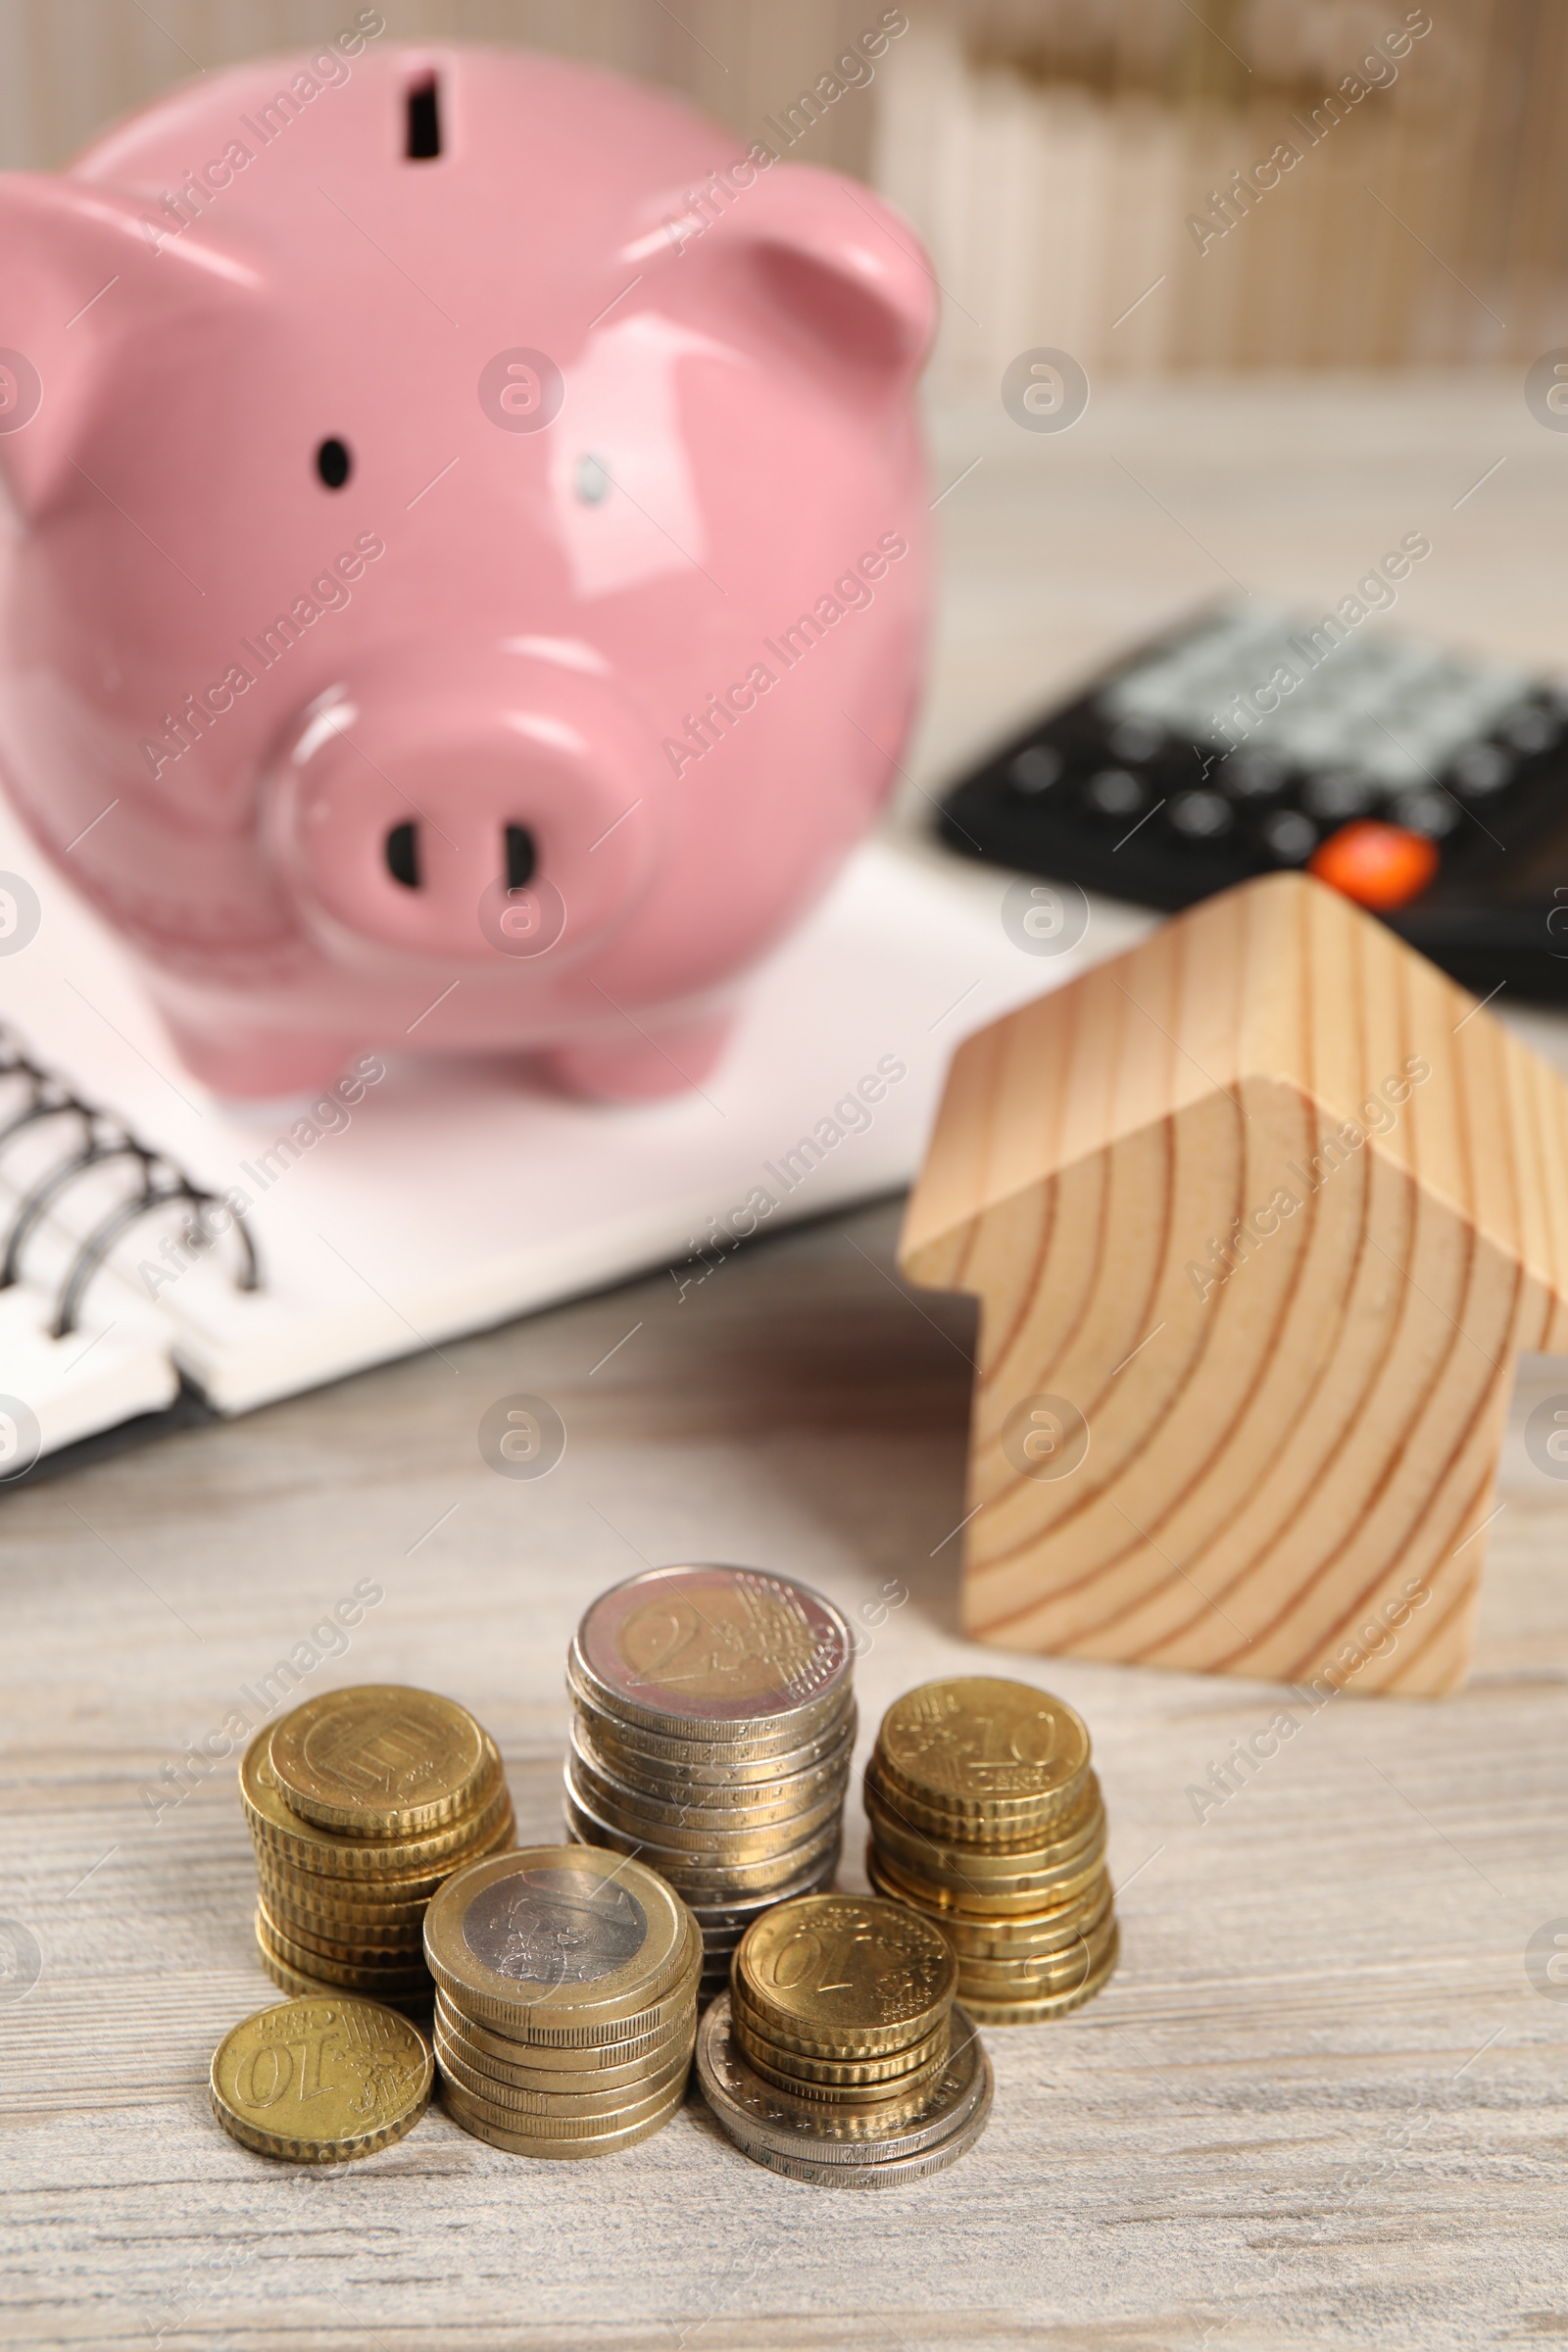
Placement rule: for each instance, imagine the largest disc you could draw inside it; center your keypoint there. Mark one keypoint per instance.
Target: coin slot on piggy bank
(422, 144)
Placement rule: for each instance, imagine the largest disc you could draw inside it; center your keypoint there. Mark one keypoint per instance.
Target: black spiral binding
(103, 1139)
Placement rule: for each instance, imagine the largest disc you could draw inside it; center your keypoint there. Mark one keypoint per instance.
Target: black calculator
(1431, 787)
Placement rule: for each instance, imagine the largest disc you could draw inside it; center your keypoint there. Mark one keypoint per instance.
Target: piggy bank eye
(333, 463)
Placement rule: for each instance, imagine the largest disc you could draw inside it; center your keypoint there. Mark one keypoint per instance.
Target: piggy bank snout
(518, 833)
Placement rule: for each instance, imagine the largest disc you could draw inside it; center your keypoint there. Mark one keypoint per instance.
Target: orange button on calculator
(1380, 867)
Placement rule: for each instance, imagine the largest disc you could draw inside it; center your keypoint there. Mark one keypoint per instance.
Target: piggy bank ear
(821, 262)
(86, 275)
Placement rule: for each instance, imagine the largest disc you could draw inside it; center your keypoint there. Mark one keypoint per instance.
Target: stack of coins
(323, 2080)
(360, 1803)
(987, 1820)
(565, 2000)
(715, 1720)
(834, 2058)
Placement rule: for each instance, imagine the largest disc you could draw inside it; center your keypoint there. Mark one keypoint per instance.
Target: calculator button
(1115, 793)
(1255, 774)
(1378, 865)
(1531, 730)
(1136, 738)
(1290, 836)
(1035, 769)
(1200, 814)
(1431, 811)
(1343, 792)
(1479, 768)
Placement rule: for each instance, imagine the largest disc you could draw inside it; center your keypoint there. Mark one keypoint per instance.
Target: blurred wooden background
(1057, 154)
(1054, 153)
(68, 66)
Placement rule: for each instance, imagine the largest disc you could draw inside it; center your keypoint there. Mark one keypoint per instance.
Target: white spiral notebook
(441, 1197)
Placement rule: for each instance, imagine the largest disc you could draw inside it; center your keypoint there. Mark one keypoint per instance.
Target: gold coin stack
(714, 1717)
(987, 1820)
(565, 2001)
(834, 2057)
(360, 1803)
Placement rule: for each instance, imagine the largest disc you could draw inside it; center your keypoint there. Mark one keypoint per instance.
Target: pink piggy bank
(470, 581)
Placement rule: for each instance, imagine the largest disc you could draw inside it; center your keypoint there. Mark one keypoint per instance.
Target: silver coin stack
(715, 1716)
(834, 2148)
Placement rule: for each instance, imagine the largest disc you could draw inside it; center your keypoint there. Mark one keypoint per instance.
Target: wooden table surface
(1321, 2102)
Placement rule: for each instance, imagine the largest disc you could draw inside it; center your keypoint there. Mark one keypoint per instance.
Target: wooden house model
(1259, 1215)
